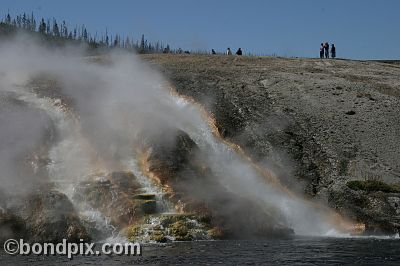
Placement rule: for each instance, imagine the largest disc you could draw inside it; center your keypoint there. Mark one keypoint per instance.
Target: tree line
(60, 30)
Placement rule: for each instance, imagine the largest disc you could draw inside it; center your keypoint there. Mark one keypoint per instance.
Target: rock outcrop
(113, 195)
(11, 227)
(195, 189)
(44, 216)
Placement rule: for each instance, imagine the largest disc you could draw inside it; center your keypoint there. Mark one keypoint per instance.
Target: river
(298, 251)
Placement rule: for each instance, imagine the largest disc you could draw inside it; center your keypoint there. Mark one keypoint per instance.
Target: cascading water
(66, 152)
(72, 150)
(118, 100)
(163, 205)
(241, 177)
(224, 161)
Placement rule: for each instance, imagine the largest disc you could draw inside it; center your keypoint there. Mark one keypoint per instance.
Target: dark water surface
(299, 251)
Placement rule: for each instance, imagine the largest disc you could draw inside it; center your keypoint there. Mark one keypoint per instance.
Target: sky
(360, 29)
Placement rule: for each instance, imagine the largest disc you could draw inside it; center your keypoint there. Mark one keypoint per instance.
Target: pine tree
(8, 19)
(48, 31)
(24, 21)
(56, 31)
(116, 41)
(85, 34)
(157, 48)
(32, 23)
(65, 29)
(107, 39)
(142, 44)
(42, 27)
(128, 43)
(19, 21)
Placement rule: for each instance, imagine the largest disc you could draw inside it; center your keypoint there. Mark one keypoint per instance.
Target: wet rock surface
(43, 216)
(195, 189)
(11, 227)
(168, 227)
(113, 195)
(317, 124)
(30, 207)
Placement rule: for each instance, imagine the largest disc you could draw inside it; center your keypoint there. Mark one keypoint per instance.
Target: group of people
(229, 52)
(324, 50)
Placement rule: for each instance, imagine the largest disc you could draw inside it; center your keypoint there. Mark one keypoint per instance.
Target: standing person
(333, 51)
(239, 51)
(326, 47)
(321, 51)
(228, 51)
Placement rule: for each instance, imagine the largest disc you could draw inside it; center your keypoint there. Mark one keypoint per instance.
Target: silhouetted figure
(326, 48)
(333, 51)
(228, 51)
(239, 51)
(321, 51)
(213, 51)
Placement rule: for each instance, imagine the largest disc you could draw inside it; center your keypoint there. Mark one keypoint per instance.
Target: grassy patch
(373, 185)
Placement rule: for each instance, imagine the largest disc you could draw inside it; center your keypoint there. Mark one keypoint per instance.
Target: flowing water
(299, 251)
(68, 152)
(243, 177)
(236, 173)
(72, 162)
(163, 205)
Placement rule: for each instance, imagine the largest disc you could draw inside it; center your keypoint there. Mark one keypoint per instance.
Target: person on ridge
(321, 51)
(228, 51)
(326, 47)
(333, 51)
(239, 51)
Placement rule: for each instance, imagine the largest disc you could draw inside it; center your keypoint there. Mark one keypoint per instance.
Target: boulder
(166, 157)
(376, 209)
(148, 206)
(49, 216)
(11, 227)
(113, 196)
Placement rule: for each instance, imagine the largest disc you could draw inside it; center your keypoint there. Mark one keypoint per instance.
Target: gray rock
(49, 216)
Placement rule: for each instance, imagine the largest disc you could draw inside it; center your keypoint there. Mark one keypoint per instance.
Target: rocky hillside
(327, 128)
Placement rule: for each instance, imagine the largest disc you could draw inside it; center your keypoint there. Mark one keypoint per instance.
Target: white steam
(116, 99)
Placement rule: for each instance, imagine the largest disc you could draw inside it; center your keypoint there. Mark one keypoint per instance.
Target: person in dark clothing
(326, 48)
(333, 51)
(239, 51)
(321, 51)
(213, 51)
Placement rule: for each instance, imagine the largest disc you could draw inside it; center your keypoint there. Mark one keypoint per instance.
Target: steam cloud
(116, 99)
